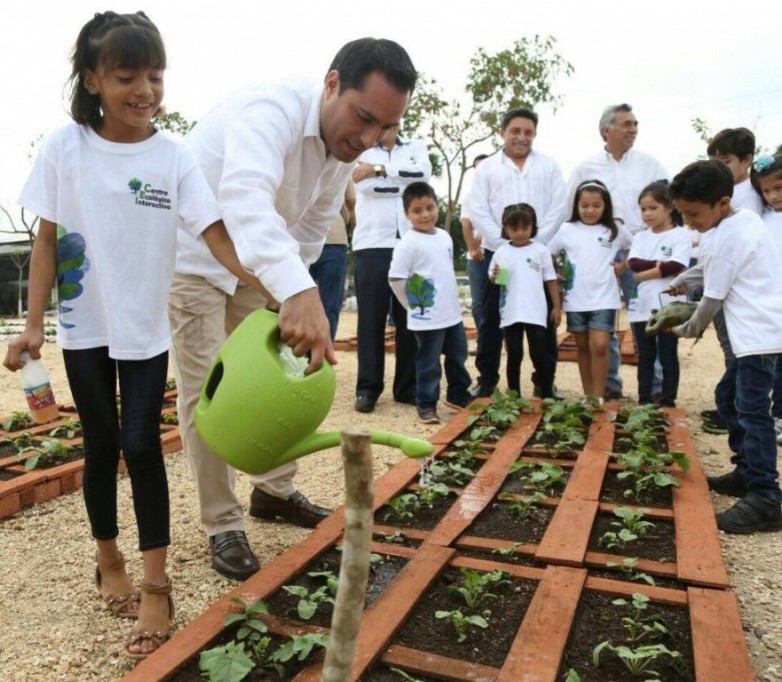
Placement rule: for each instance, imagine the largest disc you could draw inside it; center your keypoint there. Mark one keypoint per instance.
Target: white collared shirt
(278, 191)
(624, 179)
(380, 218)
(499, 183)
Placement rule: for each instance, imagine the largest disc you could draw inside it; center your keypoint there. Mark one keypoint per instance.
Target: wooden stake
(354, 567)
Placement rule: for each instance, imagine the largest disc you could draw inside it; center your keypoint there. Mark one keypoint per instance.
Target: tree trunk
(354, 568)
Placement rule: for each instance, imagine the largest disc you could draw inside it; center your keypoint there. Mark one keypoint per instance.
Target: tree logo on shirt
(605, 242)
(147, 195)
(666, 250)
(532, 263)
(569, 274)
(72, 265)
(420, 294)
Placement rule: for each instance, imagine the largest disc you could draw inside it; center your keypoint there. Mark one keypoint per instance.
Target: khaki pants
(202, 316)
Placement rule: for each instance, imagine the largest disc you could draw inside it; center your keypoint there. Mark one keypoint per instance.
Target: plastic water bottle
(38, 390)
(292, 365)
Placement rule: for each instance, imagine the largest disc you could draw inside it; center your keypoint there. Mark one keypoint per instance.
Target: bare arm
(472, 240)
(398, 286)
(556, 308)
(43, 267)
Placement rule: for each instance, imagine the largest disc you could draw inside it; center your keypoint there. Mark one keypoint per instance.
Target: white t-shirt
(425, 261)
(590, 279)
(116, 208)
(773, 221)
(523, 298)
(674, 244)
(741, 269)
(745, 196)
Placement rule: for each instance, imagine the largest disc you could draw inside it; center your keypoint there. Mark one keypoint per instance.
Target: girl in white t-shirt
(109, 190)
(658, 254)
(590, 242)
(523, 268)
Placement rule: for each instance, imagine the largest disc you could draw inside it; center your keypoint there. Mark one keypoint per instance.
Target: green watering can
(256, 414)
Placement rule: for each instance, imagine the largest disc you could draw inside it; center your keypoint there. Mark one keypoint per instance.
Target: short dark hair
(417, 190)
(519, 214)
(737, 141)
(359, 58)
(518, 113)
(706, 181)
(111, 40)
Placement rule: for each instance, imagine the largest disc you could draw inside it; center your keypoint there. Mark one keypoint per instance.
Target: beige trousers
(202, 316)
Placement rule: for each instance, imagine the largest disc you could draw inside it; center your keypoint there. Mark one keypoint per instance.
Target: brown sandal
(158, 637)
(120, 605)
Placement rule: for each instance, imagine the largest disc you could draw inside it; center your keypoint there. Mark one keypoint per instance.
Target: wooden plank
(698, 551)
(663, 595)
(439, 667)
(567, 536)
(662, 568)
(718, 643)
(537, 649)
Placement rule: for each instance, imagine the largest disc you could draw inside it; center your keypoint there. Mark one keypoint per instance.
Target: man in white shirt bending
(278, 156)
(381, 176)
(516, 174)
(625, 171)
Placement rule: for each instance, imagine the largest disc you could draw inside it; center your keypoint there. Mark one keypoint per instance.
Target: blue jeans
(329, 273)
(662, 348)
(776, 395)
(477, 277)
(452, 343)
(751, 425)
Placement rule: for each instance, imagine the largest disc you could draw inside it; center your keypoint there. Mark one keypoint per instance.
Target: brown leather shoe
(232, 555)
(296, 509)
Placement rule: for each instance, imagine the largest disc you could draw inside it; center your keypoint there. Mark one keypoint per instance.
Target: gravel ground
(55, 627)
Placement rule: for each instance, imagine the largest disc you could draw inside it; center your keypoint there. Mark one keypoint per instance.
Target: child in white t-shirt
(423, 279)
(735, 147)
(523, 269)
(657, 255)
(109, 190)
(590, 241)
(741, 276)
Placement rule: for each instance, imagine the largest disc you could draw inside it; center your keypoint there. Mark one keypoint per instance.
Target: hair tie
(763, 163)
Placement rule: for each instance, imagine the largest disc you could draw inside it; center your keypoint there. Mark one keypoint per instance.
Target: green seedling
(485, 433)
(521, 507)
(461, 622)
(309, 602)
(574, 413)
(22, 442)
(475, 586)
(300, 646)
(508, 552)
(18, 421)
(644, 469)
(170, 418)
(611, 539)
(559, 437)
(450, 472)
(643, 623)
(402, 507)
(68, 430)
(53, 452)
(396, 538)
(643, 417)
(572, 676)
(430, 494)
(638, 660)
(627, 567)
(331, 578)
(227, 663)
(170, 384)
(632, 520)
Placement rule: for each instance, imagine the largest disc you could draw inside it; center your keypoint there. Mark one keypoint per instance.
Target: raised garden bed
(557, 586)
(20, 488)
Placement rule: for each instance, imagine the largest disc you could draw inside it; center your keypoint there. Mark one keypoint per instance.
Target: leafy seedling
(68, 429)
(300, 646)
(475, 586)
(227, 663)
(402, 507)
(521, 507)
(461, 622)
(627, 567)
(309, 601)
(638, 660)
(18, 421)
(53, 452)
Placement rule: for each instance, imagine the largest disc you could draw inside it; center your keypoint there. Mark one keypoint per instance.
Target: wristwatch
(378, 170)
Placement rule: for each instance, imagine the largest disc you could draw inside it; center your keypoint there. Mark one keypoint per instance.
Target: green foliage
(542, 476)
(173, 123)
(475, 585)
(522, 75)
(53, 452)
(67, 430)
(396, 538)
(633, 520)
(170, 418)
(18, 421)
(638, 660)
(644, 469)
(575, 413)
(572, 676)
(300, 646)
(642, 417)
(402, 506)
(461, 622)
(628, 569)
(309, 602)
(228, 663)
(521, 507)
(508, 552)
(451, 472)
(430, 494)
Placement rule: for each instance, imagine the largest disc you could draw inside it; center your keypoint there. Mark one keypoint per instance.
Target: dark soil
(400, 541)
(384, 673)
(192, 673)
(657, 544)
(515, 483)
(425, 518)
(20, 425)
(283, 605)
(597, 620)
(623, 442)
(7, 449)
(496, 521)
(487, 646)
(516, 559)
(77, 452)
(6, 475)
(613, 491)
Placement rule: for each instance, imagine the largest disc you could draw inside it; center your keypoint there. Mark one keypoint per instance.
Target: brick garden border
(719, 649)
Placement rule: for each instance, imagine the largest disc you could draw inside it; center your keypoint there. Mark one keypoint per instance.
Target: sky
(671, 60)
